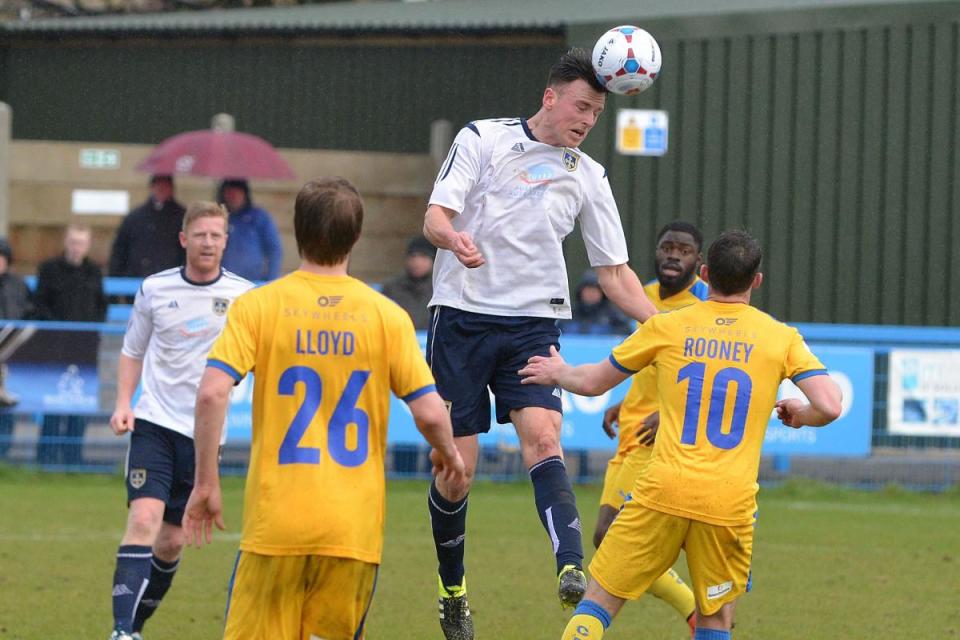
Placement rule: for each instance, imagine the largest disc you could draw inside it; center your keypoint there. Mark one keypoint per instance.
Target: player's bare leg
(539, 432)
(716, 626)
(669, 587)
(593, 615)
(448, 518)
(605, 517)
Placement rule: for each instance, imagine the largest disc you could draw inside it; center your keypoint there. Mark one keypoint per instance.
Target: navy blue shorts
(160, 464)
(472, 354)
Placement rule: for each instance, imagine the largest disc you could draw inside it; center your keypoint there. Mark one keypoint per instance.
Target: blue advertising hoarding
(851, 367)
(51, 370)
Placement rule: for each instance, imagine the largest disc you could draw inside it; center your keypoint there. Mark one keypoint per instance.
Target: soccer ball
(626, 60)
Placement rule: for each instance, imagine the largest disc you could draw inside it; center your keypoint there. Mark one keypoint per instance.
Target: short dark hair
(573, 65)
(327, 219)
(682, 227)
(733, 260)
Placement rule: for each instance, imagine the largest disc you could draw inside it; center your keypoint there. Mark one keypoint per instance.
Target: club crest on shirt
(220, 306)
(571, 159)
(137, 477)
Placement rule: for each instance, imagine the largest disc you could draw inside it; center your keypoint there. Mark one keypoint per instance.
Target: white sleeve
(600, 224)
(460, 172)
(139, 327)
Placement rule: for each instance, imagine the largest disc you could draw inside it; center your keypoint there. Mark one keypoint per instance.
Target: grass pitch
(829, 563)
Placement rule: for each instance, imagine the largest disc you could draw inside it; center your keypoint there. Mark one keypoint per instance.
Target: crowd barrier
(899, 421)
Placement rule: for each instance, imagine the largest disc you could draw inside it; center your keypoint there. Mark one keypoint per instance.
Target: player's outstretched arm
(584, 379)
(128, 377)
(432, 418)
(439, 230)
(205, 506)
(623, 287)
(824, 406)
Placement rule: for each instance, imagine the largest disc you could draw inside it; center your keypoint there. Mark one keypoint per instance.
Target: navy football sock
(449, 523)
(161, 576)
(557, 508)
(129, 582)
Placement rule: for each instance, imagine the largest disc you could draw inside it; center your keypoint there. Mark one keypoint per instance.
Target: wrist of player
(448, 452)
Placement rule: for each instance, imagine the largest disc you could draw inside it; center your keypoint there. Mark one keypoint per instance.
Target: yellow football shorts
(298, 598)
(622, 473)
(643, 543)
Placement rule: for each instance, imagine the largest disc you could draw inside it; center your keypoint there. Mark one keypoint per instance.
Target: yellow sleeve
(800, 362)
(410, 377)
(640, 348)
(235, 351)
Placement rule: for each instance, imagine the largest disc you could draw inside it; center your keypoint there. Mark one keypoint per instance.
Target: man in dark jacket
(593, 313)
(14, 295)
(413, 288)
(148, 240)
(14, 305)
(70, 288)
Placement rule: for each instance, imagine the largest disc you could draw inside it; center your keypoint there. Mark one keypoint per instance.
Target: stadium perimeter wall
(44, 174)
(873, 442)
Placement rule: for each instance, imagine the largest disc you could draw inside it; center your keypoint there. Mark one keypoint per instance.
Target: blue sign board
(582, 416)
(849, 435)
(852, 367)
(51, 371)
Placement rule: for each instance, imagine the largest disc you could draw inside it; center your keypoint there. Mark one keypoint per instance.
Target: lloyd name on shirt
(322, 342)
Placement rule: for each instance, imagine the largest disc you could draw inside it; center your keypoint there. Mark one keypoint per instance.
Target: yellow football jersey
(326, 352)
(718, 367)
(641, 398)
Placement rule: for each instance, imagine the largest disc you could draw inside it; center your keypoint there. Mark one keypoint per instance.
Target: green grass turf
(829, 563)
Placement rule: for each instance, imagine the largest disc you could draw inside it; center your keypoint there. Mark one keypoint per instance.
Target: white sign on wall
(100, 202)
(923, 392)
(642, 132)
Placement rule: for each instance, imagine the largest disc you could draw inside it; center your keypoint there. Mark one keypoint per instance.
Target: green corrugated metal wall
(831, 136)
(838, 148)
(339, 95)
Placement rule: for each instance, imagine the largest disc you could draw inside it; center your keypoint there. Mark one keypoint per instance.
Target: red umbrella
(217, 154)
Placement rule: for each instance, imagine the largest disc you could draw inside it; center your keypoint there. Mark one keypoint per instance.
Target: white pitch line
(896, 509)
(78, 536)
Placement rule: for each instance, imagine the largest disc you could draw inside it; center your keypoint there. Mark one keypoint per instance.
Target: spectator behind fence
(413, 288)
(70, 288)
(14, 305)
(593, 312)
(148, 240)
(253, 249)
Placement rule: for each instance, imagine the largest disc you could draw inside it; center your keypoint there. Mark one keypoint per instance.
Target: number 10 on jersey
(694, 372)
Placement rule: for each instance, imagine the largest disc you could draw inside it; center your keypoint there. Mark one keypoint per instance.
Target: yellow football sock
(583, 627)
(671, 588)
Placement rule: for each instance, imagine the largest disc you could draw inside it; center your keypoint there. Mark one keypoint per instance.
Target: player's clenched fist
(788, 412)
(466, 251)
(122, 421)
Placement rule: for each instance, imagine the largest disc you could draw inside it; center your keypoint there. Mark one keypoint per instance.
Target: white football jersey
(173, 324)
(519, 198)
